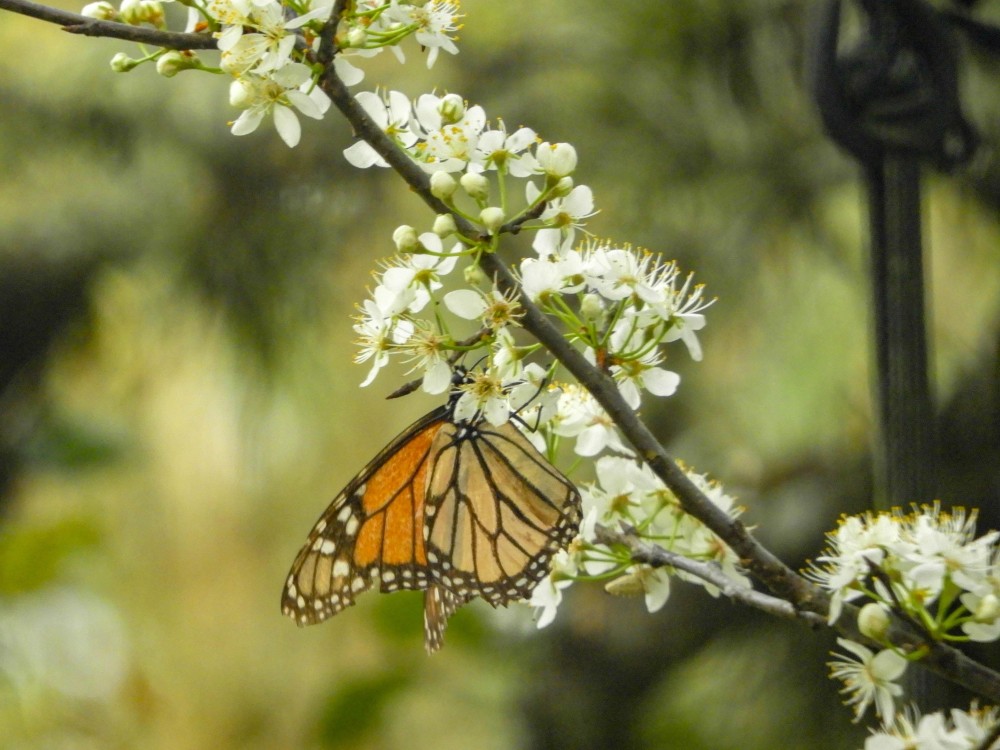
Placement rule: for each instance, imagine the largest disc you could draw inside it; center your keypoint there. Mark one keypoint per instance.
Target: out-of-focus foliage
(178, 401)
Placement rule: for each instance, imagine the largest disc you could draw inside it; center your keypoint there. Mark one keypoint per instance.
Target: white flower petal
(591, 441)
(229, 37)
(305, 104)
(657, 585)
(292, 75)
(287, 125)
(349, 74)
(247, 122)
(660, 382)
(465, 303)
(437, 379)
(888, 665)
(362, 156)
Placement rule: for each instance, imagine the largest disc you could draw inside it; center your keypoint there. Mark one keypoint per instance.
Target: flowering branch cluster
(975, 729)
(269, 47)
(619, 306)
(926, 567)
(605, 310)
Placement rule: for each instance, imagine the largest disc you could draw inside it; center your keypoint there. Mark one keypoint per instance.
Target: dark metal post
(891, 101)
(906, 442)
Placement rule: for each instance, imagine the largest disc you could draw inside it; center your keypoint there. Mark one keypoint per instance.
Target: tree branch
(658, 557)
(941, 659)
(74, 23)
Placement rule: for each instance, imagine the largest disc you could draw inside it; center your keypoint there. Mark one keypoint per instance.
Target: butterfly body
(457, 508)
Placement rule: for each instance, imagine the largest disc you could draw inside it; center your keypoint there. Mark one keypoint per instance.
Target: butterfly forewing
(371, 532)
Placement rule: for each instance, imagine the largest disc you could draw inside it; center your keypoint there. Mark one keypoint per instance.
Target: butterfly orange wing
(371, 533)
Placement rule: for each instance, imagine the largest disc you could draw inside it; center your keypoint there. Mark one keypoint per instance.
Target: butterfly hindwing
(497, 511)
(439, 604)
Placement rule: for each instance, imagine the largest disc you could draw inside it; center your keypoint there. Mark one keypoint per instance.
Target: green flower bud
(131, 12)
(492, 218)
(452, 109)
(172, 62)
(443, 185)
(357, 37)
(102, 11)
(629, 584)
(563, 187)
(475, 276)
(591, 307)
(406, 239)
(873, 621)
(444, 225)
(988, 609)
(476, 185)
(122, 63)
(152, 13)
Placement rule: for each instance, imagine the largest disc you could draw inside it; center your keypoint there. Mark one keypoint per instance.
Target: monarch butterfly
(457, 508)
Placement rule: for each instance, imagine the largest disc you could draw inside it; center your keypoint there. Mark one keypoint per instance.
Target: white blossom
(280, 94)
(391, 111)
(434, 23)
(869, 678)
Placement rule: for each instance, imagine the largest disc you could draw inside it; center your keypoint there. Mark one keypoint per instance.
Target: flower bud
(122, 63)
(563, 188)
(172, 62)
(357, 37)
(988, 609)
(240, 94)
(451, 108)
(556, 159)
(444, 225)
(102, 11)
(131, 12)
(475, 276)
(591, 307)
(629, 584)
(873, 621)
(476, 185)
(492, 218)
(443, 185)
(152, 13)
(406, 239)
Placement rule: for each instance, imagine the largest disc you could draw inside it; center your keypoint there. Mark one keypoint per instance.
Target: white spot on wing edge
(341, 568)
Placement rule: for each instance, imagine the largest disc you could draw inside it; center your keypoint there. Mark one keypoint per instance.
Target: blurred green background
(178, 402)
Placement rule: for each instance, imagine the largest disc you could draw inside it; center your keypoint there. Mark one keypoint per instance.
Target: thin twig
(74, 23)
(943, 660)
(658, 557)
